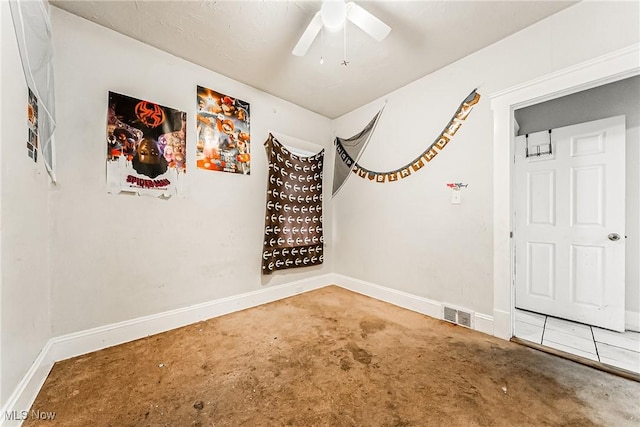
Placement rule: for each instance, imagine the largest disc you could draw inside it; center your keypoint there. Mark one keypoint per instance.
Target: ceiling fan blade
(367, 22)
(308, 36)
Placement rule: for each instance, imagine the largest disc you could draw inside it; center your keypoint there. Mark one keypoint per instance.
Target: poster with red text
(146, 146)
(224, 138)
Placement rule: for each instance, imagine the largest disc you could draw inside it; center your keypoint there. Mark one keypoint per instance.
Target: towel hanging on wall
(293, 234)
(348, 152)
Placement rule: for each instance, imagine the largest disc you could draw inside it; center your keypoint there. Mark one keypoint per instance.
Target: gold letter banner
(432, 151)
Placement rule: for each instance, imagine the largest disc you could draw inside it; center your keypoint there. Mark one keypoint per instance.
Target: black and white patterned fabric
(293, 235)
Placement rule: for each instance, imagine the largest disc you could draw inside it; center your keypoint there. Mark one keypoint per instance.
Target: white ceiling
(251, 41)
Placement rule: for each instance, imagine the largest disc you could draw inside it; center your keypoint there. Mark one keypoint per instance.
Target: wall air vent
(450, 314)
(459, 317)
(464, 318)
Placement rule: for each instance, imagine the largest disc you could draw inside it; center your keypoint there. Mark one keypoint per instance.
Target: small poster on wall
(32, 124)
(223, 133)
(146, 146)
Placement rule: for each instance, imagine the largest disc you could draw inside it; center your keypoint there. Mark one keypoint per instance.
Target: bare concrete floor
(331, 358)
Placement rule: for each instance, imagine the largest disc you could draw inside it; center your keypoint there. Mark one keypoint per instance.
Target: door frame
(617, 65)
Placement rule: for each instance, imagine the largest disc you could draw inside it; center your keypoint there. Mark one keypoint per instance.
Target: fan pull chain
(322, 45)
(345, 62)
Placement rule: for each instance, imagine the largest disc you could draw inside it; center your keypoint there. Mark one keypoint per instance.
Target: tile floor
(621, 350)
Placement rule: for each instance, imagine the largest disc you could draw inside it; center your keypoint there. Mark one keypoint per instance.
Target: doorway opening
(508, 319)
(576, 224)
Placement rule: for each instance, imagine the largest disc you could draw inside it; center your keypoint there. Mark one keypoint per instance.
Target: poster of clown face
(146, 146)
(223, 133)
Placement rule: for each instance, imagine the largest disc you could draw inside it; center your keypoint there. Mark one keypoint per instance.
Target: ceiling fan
(332, 16)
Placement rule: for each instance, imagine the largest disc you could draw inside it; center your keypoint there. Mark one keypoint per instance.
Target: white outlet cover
(456, 198)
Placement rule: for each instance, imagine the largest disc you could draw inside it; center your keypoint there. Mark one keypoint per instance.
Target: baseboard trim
(20, 401)
(401, 299)
(481, 322)
(90, 340)
(502, 324)
(632, 321)
(75, 344)
(87, 341)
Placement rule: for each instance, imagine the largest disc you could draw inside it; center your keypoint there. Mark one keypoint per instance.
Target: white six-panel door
(570, 223)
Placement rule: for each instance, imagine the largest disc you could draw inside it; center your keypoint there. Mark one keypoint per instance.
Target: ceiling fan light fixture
(334, 14)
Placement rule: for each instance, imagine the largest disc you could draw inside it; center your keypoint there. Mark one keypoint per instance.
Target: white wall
(24, 226)
(406, 235)
(119, 257)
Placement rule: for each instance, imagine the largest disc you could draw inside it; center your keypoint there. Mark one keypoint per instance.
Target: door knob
(614, 237)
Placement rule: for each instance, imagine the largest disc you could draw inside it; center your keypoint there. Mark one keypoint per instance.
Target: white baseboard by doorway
(481, 322)
(632, 321)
